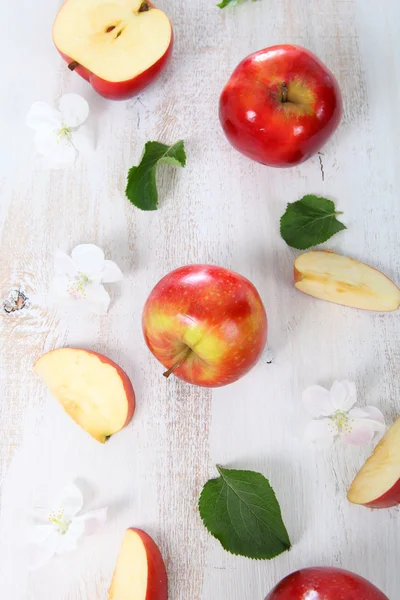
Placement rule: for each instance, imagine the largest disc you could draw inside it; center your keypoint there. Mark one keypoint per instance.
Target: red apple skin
(252, 114)
(388, 499)
(157, 579)
(122, 90)
(215, 300)
(325, 583)
(126, 382)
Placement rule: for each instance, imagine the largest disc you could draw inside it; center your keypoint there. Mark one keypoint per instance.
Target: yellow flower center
(57, 518)
(76, 287)
(64, 132)
(342, 422)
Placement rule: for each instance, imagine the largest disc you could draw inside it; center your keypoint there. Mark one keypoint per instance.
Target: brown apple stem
(144, 7)
(284, 91)
(178, 362)
(72, 66)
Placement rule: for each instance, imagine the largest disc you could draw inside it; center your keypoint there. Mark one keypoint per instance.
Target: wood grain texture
(222, 209)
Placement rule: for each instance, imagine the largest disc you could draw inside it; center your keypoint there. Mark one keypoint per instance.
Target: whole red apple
(206, 324)
(280, 106)
(118, 46)
(325, 583)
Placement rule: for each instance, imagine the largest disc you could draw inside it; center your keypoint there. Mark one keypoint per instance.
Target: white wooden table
(223, 209)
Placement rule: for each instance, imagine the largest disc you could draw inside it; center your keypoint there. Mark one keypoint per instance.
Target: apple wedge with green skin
(96, 393)
(377, 484)
(342, 280)
(140, 572)
(118, 46)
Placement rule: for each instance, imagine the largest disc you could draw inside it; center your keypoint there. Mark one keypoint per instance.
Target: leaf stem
(184, 356)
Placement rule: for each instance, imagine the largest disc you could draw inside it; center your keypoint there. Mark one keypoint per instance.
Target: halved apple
(140, 571)
(119, 46)
(377, 484)
(91, 388)
(342, 280)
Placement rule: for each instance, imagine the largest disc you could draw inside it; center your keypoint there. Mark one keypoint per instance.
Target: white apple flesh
(377, 484)
(342, 280)
(140, 571)
(91, 388)
(112, 40)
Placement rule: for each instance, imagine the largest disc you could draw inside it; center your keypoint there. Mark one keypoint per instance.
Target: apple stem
(72, 66)
(178, 362)
(285, 91)
(144, 7)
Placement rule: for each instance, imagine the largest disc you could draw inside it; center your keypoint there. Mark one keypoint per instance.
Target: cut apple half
(342, 280)
(91, 388)
(116, 40)
(377, 484)
(140, 571)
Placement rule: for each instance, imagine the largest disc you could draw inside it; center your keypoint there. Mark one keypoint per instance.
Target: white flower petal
(111, 272)
(98, 298)
(64, 265)
(74, 110)
(317, 401)
(322, 431)
(38, 534)
(58, 151)
(358, 413)
(89, 259)
(70, 540)
(362, 432)
(93, 521)
(375, 414)
(43, 117)
(83, 140)
(46, 551)
(71, 500)
(59, 287)
(343, 395)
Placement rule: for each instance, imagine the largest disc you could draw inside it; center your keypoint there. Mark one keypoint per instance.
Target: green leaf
(141, 188)
(310, 221)
(230, 3)
(240, 509)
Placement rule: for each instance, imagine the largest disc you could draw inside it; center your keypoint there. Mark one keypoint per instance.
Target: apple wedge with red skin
(342, 280)
(377, 484)
(325, 583)
(119, 47)
(280, 106)
(207, 325)
(96, 393)
(140, 572)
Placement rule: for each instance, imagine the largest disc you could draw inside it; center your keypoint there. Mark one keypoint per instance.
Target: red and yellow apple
(140, 571)
(205, 324)
(325, 583)
(342, 280)
(91, 388)
(280, 106)
(377, 484)
(118, 46)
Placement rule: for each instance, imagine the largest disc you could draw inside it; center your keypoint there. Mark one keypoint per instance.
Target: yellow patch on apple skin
(207, 346)
(300, 93)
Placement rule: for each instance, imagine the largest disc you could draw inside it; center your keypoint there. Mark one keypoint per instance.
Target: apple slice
(377, 484)
(91, 388)
(120, 46)
(140, 571)
(342, 280)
